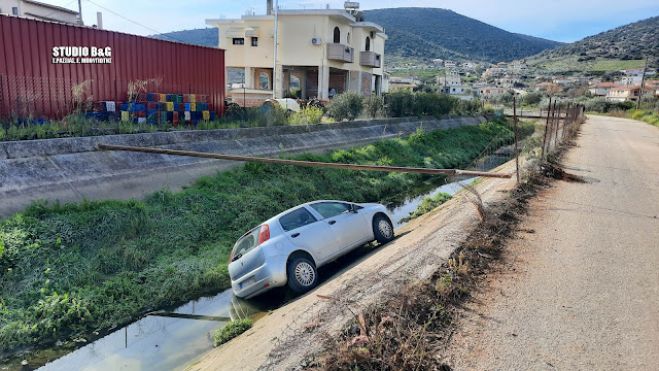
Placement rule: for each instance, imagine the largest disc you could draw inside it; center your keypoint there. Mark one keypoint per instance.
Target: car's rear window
(296, 219)
(246, 243)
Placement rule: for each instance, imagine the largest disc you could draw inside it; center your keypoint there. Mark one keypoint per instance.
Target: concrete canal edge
(71, 169)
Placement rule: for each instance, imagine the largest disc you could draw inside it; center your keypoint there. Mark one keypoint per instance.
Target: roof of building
(54, 7)
(335, 13)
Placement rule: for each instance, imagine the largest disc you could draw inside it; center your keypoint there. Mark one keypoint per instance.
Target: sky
(560, 20)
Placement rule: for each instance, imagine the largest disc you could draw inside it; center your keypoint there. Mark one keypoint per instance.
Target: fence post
(544, 137)
(516, 136)
(568, 120)
(558, 124)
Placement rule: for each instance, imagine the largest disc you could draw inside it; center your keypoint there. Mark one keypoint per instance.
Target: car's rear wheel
(302, 275)
(383, 229)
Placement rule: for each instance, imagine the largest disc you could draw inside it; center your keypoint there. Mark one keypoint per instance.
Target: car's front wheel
(302, 275)
(383, 229)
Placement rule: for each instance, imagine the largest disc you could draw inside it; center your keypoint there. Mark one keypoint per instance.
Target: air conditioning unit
(316, 41)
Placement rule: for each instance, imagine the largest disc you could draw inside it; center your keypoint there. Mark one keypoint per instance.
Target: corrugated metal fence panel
(31, 85)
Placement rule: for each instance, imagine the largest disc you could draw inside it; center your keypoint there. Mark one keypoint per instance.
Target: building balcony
(370, 59)
(340, 52)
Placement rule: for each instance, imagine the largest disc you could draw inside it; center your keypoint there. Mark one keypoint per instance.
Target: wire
(136, 23)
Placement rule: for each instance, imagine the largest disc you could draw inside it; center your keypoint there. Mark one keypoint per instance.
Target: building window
(348, 37)
(238, 41)
(255, 41)
(337, 35)
(368, 44)
(264, 81)
(14, 10)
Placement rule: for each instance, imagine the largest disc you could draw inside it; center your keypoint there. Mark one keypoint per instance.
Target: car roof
(300, 205)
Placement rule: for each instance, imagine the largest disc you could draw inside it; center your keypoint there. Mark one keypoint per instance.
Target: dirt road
(282, 338)
(579, 289)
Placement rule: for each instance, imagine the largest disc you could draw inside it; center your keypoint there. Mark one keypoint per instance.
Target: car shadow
(281, 296)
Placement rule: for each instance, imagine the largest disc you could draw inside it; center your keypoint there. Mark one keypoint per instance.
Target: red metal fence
(31, 84)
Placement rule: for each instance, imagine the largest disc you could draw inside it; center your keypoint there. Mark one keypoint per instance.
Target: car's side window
(330, 209)
(296, 219)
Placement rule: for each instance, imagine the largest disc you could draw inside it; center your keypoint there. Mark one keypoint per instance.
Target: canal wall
(72, 169)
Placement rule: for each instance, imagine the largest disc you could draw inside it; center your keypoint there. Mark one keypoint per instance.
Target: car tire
(383, 229)
(302, 275)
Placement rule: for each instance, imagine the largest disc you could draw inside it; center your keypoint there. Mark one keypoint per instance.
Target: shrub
(433, 104)
(307, 116)
(345, 106)
(466, 107)
(270, 115)
(399, 104)
(532, 98)
(374, 106)
(230, 331)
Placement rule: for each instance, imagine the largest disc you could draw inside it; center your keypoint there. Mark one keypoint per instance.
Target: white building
(450, 83)
(38, 10)
(320, 53)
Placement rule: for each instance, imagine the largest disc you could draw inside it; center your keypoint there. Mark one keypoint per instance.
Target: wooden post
(558, 123)
(516, 137)
(544, 137)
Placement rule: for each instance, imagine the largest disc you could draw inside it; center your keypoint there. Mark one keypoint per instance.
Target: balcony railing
(370, 59)
(340, 52)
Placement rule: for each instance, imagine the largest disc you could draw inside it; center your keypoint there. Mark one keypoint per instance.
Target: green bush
(399, 103)
(230, 331)
(533, 98)
(307, 116)
(345, 106)
(374, 106)
(405, 103)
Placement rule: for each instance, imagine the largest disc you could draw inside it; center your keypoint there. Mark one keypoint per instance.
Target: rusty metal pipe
(217, 156)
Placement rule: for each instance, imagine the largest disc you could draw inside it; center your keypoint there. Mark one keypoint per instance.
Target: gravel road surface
(579, 288)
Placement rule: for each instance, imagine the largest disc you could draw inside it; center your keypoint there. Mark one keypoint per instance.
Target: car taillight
(264, 233)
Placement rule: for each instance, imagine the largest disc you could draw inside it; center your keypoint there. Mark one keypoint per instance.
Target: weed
(345, 106)
(230, 331)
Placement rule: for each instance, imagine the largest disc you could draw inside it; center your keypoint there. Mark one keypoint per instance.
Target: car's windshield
(245, 244)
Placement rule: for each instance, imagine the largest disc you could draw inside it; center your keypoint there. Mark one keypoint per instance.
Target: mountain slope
(626, 44)
(200, 36)
(442, 33)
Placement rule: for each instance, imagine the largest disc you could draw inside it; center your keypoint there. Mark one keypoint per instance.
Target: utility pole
(274, 67)
(640, 94)
(80, 11)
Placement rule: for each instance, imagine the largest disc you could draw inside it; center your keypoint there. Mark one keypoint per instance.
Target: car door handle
(294, 235)
(332, 222)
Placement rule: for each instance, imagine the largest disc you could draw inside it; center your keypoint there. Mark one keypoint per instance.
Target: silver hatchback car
(290, 247)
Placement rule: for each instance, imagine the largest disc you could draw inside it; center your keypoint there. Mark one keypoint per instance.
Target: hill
(440, 33)
(199, 36)
(624, 47)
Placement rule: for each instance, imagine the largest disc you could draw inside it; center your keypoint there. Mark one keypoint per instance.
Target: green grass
(651, 117)
(68, 270)
(572, 63)
(428, 204)
(230, 331)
